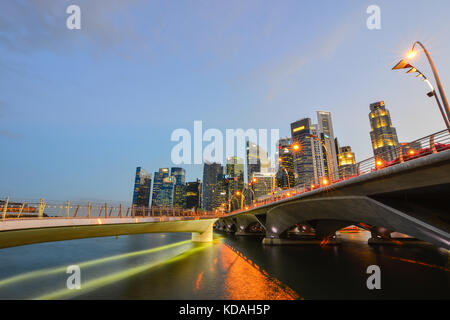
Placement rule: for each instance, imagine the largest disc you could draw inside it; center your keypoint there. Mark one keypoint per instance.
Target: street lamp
(436, 76)
(411, 55)
(404, 65)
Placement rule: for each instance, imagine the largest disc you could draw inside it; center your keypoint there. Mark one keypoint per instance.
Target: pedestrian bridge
(16, 232)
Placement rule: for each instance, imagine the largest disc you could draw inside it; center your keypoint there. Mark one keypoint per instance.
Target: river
(170, 266)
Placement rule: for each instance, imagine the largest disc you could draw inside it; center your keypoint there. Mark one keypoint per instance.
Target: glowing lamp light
(379, 163)
(411, 54)
(325, 181)
(238, 193)
(296, 147)
(412, 152)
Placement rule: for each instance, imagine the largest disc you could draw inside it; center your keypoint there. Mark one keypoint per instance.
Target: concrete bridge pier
(205, 236)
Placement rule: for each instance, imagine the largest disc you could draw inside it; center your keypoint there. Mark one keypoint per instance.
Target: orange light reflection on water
(244, 280)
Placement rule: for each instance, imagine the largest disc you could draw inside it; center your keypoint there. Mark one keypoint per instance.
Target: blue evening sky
(80, 109)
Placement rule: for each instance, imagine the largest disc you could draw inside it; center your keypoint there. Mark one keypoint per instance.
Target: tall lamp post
(436, 76)
(445, 110)
(404, 65)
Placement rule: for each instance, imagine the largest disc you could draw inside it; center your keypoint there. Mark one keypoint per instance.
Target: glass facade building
(142, 186)
(235, 177)
(304, 157)
(257, 159)
(193, 192)
(163, 186)
(212, 173)
(179, 188)
(263, 184)
(285, 177)
(326, 133)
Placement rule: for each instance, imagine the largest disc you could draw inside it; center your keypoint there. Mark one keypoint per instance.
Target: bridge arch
(334, 213)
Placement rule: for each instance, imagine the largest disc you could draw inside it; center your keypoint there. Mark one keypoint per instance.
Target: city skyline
(216, 156)
(83, 120)
(311, 156)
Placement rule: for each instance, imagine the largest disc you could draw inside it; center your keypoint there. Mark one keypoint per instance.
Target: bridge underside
(201, 231)
(328, 215)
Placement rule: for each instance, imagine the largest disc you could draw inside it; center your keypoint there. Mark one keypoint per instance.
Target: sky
(81, 109)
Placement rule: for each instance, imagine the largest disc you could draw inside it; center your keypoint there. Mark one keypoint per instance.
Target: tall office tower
(235, 176)
(347, 162)
(211, 174)
(179, 174)
(308, 163)
(253, 159)
(142, 186)
(220, 194)
(257, 159)
(319, 151)
(383, 135)
(338, 148)
(179, 195)
(162, 188)
(325, 127)
(193, 190)
(179, 188)
(263, 183)
(285, 177)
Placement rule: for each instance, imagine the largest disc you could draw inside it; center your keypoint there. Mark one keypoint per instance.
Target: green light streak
(100, 282)
(86, 264)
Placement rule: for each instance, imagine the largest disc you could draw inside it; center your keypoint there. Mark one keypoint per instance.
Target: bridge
(16, 232)
(407, 195)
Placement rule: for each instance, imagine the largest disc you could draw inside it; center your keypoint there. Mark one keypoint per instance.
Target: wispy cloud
(30, 25)
(276, 75)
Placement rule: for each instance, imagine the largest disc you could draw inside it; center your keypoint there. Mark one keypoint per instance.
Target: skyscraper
(308, 162)
(142, 186)
(257, 159)
(383, 134)
(179, 191)
(235, 176)
(179, 174)
(326, 132)
(193, 194)
(211, 173)
(285, 177)
(263, 183)
(347, 162)
(162, 188)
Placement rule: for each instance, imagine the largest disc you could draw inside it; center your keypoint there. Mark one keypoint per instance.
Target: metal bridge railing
(434, 143)
(22, 210)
